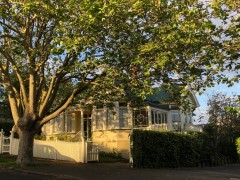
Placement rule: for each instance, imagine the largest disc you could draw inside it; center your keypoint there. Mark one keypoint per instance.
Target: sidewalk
(120, 171)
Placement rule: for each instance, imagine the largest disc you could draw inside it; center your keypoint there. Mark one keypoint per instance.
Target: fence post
(56, 145)
(131, 149)
(86, 152)
(11, 142)
(83, 148)
(1, 140)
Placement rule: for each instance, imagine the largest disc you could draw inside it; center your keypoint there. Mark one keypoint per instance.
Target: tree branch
(5, 80)
(18, 73)
(64, 106)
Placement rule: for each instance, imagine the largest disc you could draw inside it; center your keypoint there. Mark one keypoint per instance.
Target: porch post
(82, 123)
(149, 118)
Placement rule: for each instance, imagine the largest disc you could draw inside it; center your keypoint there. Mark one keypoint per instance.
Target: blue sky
(202, 99)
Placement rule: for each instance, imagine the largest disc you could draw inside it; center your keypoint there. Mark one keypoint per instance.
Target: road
(118, 171)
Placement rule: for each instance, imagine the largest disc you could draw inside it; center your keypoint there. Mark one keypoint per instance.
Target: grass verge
(7, 161)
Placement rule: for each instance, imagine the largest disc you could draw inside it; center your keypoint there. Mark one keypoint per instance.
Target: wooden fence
(81, 151)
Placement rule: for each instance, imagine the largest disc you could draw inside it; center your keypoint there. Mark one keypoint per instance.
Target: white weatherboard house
(110, 128)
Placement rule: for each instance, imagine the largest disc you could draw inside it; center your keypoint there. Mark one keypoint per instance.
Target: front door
(87, 125)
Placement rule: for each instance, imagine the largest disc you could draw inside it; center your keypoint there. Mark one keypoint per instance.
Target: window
(69, 122)
(140, 118)
(123, 117)
(175, 116)
(59, 124)
(99, 118)
(65, 122)
(110, 118)
(188, 118)
(87, 126)
(158, 117)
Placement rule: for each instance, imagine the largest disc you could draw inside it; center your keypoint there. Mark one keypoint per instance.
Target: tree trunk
(25, 151)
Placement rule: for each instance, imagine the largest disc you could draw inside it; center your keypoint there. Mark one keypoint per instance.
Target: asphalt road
(117, 171)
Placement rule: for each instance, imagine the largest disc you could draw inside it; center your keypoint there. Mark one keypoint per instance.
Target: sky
(202, 99)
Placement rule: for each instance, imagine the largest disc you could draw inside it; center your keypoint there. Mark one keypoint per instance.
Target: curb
(60, 176)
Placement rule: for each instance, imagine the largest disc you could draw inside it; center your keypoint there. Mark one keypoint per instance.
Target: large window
(140, 118)
(59, 124)
(70, 122)
(123, 117)
(188, 118)
(99, 118)
(65, 122)
(87, 126)
(110, 118)
(158, 117)
(175, 115)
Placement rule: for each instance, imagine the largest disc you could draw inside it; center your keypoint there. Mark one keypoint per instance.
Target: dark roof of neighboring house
(162, 99)
(159, 95)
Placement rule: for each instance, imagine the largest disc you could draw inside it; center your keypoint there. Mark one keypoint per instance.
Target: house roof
(161, 98)
(159, 95)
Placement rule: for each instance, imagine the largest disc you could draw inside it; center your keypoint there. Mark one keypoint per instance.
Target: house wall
(113, 140)
(110, 136)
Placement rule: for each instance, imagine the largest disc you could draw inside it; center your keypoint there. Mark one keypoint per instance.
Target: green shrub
(238, 146)
(40, 137)
(66, 137)
(164, 149)
(113, 156)
(154, 149)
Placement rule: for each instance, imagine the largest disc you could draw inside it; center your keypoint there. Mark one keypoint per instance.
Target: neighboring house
(110, 126)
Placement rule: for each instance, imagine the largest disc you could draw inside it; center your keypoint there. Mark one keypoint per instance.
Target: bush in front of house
(113, 156)
(154, 149)
(40, 137)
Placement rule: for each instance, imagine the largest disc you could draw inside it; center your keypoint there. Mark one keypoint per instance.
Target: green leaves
(101, 42)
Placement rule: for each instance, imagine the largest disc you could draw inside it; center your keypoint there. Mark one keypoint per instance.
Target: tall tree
(224, 123)
(100, 48)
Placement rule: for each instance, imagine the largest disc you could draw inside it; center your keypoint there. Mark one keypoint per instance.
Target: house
(109, 125)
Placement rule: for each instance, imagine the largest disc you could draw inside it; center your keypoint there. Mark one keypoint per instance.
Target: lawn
(7, 161)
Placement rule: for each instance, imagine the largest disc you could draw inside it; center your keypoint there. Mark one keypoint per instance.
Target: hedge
(238, 146)
(153, 149)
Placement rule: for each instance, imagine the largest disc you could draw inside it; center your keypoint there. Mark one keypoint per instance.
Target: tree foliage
(223, 113)
(224, 123)
(52, 51)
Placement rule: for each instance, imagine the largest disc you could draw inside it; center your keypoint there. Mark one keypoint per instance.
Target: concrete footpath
(121, 171)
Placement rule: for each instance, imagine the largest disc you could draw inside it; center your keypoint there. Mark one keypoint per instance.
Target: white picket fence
(59, 150)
